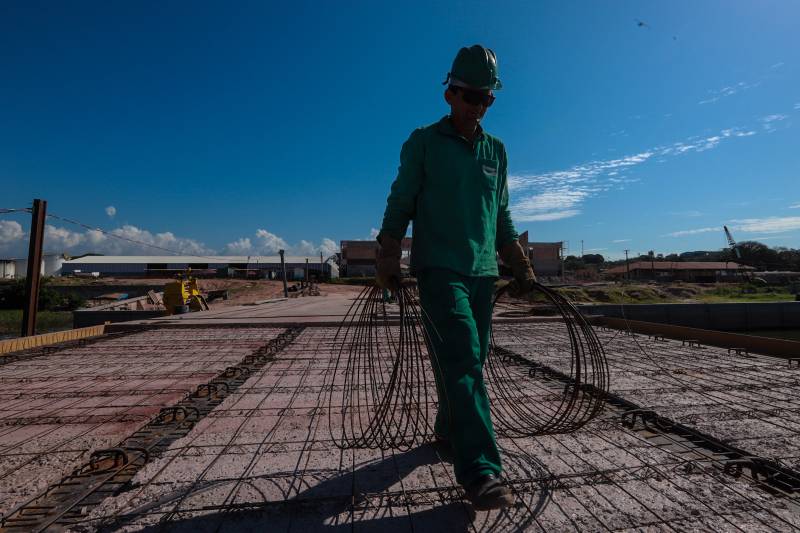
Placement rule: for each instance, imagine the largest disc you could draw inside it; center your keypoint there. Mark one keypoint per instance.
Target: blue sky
(243, 127)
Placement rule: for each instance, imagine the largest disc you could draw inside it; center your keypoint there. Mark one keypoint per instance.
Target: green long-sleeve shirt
(457, 195)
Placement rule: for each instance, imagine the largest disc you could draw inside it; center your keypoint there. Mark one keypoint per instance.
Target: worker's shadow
(359, 500)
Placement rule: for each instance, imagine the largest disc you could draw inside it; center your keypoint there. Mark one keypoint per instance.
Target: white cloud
(545, 217)
(241, 246)
(777, 65)
(768, 238)
(795, 206)
(773, 118)
(111, 211)
(617, 241)
(767, 225)
(61, 238)
(685, 232)
(768, 121)
(797, 105)
(119, 242)
(560, 194)
(10, 232)
(328, 247)
(373, 233)
(730, 90)
(268, 243)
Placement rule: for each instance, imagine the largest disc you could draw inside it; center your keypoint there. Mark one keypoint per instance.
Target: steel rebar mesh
(382, 385)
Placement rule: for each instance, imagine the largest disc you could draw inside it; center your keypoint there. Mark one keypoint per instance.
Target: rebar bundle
(579, 384)
(382, 384)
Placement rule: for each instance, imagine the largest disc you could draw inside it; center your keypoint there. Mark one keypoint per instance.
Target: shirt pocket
(489, 172)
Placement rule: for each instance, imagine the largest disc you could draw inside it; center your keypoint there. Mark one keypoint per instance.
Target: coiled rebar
(577, 386)
(382, 383)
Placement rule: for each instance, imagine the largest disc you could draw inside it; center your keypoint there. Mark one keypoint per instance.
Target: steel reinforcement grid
(57, 406)
(262, 457)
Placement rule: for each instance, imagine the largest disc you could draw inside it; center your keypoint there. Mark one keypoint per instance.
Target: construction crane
(732, 243)
(735, 247)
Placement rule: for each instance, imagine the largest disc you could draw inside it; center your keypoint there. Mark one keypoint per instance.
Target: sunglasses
(474, 97)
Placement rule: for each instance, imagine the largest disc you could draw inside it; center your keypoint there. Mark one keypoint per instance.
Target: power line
(128, 239)
(15, 210)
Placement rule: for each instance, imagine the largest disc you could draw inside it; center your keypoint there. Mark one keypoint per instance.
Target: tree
(593, 259)
(572, 263)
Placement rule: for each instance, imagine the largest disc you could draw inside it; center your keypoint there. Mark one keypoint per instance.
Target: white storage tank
(52, 265)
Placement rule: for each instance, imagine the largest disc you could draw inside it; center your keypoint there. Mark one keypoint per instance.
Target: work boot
(488, 492)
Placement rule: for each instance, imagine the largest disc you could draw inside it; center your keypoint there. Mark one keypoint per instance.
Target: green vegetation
(12, 296)
(642, 293)
(746, 293)
(46, 321)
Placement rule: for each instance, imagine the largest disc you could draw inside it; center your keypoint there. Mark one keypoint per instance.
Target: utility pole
(321, 268)
(283, 275)
(34, 268)
(306, 270)
(581, 248)
(627, 266)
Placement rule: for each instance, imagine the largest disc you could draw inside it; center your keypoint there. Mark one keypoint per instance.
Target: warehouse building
(691, 271)
(253, 266)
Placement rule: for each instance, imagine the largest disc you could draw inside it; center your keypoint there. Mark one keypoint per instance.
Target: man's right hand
(513, 255)
(388, 275)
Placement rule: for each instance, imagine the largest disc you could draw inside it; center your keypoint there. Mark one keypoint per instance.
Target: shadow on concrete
(355, 500)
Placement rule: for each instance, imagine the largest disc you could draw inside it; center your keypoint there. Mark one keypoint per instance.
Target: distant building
(8, 268)
(359, 258)
(544, 256)
(692, 271)
(18, 268)
(268, 267)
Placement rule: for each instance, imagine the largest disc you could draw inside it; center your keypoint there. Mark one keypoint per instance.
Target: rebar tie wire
(380, 388)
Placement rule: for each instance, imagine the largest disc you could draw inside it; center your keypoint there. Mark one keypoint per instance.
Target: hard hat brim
(458, 83)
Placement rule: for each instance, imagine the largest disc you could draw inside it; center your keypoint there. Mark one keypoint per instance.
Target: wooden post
(34, 274)
(283, 275)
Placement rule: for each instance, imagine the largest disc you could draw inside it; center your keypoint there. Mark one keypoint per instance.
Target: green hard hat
(475, 67)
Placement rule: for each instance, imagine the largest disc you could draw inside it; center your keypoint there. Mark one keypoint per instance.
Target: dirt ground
(240, 291)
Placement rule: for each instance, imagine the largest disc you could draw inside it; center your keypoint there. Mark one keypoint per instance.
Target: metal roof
(139, 259)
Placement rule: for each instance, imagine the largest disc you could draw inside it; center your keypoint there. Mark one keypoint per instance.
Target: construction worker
(452, 182)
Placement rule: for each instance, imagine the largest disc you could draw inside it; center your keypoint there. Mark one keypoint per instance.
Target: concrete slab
(265, 460)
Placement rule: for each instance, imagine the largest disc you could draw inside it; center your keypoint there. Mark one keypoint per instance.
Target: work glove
(388, 275)
(515, 257)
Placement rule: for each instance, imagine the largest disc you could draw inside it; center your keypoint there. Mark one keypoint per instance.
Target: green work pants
(459, 311)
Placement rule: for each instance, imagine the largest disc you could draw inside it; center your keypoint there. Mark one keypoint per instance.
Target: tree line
(753, 253)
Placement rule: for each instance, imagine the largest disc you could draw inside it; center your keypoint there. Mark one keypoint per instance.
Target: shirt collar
(446, 127)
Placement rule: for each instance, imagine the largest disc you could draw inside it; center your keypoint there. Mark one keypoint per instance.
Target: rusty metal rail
(733, 341)
(109, 470)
